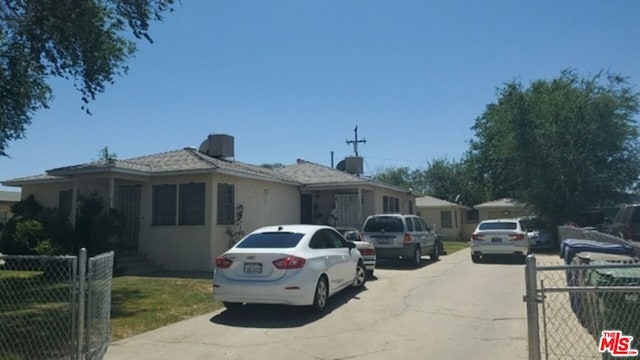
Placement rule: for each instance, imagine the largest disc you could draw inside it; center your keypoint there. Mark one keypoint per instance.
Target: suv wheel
(475, 258)
(417, 256)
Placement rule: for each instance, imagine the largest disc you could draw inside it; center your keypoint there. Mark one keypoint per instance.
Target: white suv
(398, 235)
(499, 237)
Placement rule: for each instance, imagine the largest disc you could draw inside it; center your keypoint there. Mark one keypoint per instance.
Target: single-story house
(7, 198)
(502, 208)
(177, 206)
(449, 218)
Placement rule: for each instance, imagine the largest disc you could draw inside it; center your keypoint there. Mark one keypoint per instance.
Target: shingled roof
(189, 160)
(177, 161)
(429, 201)
(309, 173)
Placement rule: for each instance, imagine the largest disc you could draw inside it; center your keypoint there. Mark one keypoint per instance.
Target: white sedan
(300, 265)
(499, 237)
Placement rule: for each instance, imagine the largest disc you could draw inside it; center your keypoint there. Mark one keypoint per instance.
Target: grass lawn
(140, 304)
(452, 246)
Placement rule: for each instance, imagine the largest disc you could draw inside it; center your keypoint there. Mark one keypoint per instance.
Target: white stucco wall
(433, 216)
(265, 203)
(404, 200)
(45, 194)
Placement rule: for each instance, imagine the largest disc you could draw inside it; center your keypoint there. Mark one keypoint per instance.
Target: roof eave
(19, 183)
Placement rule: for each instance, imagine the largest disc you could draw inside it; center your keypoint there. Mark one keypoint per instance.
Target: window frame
(446, 222)
(191, 204)
(164, 211)
(226, 207)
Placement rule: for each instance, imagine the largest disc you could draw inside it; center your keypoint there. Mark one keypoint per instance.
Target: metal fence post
(82, 278)
(531, 299)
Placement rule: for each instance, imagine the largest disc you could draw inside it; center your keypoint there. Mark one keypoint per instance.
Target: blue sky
(291, 79)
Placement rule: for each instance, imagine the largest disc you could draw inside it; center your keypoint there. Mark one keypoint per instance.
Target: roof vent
(219, 146)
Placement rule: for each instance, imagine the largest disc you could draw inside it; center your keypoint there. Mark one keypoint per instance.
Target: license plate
(383, 241)
(496, 239)
(252, 268)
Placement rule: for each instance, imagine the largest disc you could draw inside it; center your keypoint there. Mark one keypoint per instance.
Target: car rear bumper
(395, 252)
(294, 292)
(501, 249)
(369, 262)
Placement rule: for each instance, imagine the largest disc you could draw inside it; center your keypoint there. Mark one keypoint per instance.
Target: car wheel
(321, 295)
(361, 276)
(231, 306)
(475, 258)
(435, 253)
(417, 256)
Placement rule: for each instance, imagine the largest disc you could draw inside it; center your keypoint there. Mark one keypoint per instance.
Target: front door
(128, 207)
(306, 209)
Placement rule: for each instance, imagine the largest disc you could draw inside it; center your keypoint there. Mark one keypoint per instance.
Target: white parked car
(367, 250)
(499, 237)
(296, 265)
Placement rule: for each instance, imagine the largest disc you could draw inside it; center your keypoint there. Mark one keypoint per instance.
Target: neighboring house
(7, 198)
(449, 218)
(354, 197)
(503, 208)
(176, 206)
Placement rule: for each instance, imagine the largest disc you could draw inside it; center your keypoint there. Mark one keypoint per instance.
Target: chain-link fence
(98, 307)
(572, 301)
(42, 306)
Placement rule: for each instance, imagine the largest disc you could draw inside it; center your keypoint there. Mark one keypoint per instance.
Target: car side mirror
(351, 245)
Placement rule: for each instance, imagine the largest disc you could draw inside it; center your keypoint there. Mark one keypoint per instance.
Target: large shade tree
(561, 145)
(87, 41)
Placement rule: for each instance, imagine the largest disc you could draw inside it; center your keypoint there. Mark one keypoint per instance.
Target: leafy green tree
(397, 176)
(84, 40)
(454, 181)
(443, 178)
(273, 166)
(561, 145)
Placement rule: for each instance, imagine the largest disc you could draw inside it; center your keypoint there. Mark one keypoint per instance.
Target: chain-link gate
(583, 311)
(54, 307)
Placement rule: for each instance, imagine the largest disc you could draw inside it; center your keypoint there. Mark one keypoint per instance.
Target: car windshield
(384, 223)
(502, 225)
(271, 240)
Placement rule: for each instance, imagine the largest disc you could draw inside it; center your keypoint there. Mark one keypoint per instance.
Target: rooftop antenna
(356, 141)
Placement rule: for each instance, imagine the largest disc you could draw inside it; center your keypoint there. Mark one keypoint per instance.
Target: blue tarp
(570, 247)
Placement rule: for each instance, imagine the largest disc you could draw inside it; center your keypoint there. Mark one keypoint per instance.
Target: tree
(397, 176)
(561, 146)
(454, 181)
(450, 180)
(273, 166)
(84, 40)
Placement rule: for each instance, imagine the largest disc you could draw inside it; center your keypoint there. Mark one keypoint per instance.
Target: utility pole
(356, 141)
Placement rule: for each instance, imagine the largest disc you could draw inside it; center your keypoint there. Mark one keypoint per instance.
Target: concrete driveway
(450, 309)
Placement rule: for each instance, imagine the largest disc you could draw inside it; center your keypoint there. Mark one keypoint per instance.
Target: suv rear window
(271, 240)
(498, 226)
(384, 223)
